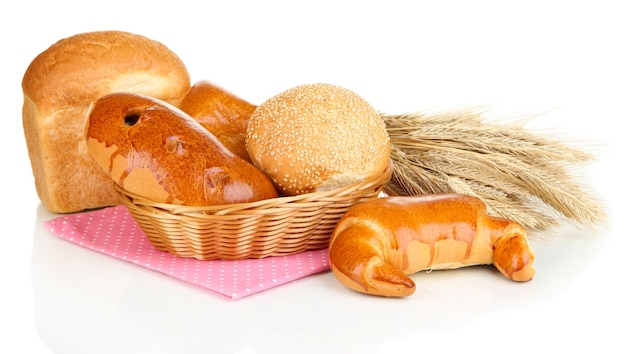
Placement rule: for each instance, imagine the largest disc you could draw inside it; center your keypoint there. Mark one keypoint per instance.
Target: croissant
(377, 243)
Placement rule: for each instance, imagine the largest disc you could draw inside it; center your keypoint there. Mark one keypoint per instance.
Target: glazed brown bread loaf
(220, 112)
(61, 83)
(317, 137)
(155, 150)
(377, 243)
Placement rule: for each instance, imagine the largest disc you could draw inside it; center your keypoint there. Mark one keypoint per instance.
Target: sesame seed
(310, 133)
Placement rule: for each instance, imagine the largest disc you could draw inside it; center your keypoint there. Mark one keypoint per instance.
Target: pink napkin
(114, 232)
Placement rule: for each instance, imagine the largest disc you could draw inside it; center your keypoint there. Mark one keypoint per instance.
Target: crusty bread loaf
(317, 137)
(61, 83)
(220, 112)
(157, 151)
(378, 242)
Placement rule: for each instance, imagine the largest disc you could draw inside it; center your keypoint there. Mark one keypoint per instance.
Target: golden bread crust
(60, 84)
(317, 137)
(155, 150)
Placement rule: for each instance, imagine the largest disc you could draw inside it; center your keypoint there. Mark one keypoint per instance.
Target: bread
(58, 87)
(317, 137)
(377, 243)
(154, 150)
(220, 112)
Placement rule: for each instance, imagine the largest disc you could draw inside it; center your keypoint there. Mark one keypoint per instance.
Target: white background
(561, 60)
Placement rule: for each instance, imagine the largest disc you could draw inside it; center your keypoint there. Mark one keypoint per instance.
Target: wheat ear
(521, 175)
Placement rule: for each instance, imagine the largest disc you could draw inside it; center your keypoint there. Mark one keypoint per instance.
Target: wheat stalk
(520, 175)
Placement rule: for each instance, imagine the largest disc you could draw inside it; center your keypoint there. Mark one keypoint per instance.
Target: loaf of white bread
(60, 85)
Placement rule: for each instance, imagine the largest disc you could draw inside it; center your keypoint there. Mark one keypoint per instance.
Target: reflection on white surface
(89, 302)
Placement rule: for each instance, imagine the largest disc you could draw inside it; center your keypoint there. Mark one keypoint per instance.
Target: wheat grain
(521, 175)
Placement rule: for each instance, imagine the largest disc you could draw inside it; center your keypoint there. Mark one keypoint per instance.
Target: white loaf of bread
(59, 86)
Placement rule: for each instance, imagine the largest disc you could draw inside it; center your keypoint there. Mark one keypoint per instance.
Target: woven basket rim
(313, 197)
(271, 227)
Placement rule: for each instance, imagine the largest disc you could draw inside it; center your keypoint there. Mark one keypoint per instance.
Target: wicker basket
(273, 227)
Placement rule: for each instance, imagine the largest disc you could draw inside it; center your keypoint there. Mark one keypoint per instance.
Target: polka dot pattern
(114, 232)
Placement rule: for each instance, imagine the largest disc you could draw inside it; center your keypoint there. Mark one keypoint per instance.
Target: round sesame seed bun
(317, 137)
